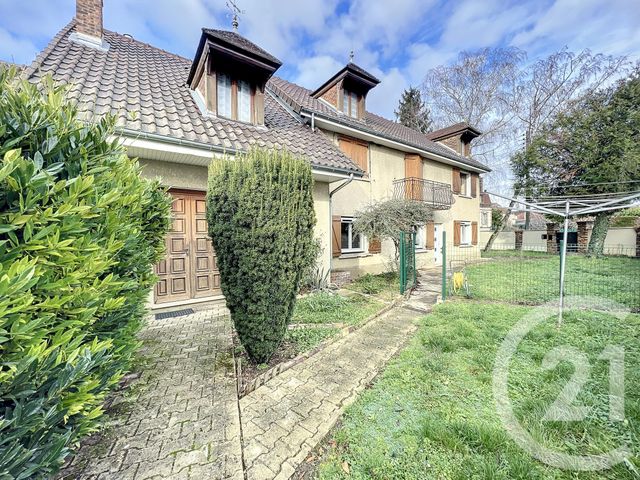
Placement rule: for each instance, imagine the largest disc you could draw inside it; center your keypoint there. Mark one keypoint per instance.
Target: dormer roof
(459, 129)
(351, 74)
(238, 48)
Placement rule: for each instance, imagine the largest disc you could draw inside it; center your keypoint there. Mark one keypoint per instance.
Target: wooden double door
(189, 269)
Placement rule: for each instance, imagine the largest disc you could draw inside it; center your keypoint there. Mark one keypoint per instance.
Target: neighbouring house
(177, 115)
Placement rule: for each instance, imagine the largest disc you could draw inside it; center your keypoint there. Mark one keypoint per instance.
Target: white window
(485, 219)
(465, 184)
(234, 98)
(420, 238)
(244, 101)
(349, 241)
(350, 104)
(224, 95)
(465, 233)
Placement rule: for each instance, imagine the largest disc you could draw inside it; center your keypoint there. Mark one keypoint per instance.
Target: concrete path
(283, 420)
(180, 420)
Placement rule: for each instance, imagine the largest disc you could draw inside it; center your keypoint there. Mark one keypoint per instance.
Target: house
(177, 115)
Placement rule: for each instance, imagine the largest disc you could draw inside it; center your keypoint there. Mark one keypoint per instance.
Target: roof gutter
(319, 118)
(155, 137)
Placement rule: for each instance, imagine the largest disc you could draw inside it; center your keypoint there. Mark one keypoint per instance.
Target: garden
(432, 413)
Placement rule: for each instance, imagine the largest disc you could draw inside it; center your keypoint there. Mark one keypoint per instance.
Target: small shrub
(261, 217)
(79, 234)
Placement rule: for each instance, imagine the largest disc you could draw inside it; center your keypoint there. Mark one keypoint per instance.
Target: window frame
(350, 249)
(234, 95)
(485, 219)
(348, 98)
(465, 184)
(420, 240)
(465, 226)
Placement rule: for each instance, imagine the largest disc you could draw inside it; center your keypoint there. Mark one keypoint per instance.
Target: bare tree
(472, 90)
(546, 87)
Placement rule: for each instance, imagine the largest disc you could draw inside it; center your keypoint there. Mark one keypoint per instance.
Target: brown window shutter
(474, 233)
(474, 185)
(375, 245)
(356, 151)
(455, 180)
(212, 95)
(336, 248)
(430, 236)
(456, 233)
(258, 102)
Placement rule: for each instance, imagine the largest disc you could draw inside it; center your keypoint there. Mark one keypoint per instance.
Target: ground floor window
(350, 241)
(465, 233)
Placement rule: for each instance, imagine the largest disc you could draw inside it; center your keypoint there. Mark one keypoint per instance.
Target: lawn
(431, 414)
(385, 286)
(326, 308)
(323, 307)
(534, 279)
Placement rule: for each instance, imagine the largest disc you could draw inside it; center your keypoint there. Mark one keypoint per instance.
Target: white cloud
(397, 40)
(16, 50)
(384, 98)
(314, 71)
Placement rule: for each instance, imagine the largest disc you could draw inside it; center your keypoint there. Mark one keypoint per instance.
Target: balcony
(437, 194)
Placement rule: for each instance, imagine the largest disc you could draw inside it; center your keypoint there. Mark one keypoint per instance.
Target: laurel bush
(79, 233)
(261, 219)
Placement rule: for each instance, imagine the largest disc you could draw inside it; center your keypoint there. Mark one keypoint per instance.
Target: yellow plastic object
(458, 281)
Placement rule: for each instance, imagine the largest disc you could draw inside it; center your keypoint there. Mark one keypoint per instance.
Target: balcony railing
(437, 194)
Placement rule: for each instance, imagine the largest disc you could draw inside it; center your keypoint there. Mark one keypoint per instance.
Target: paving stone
(185, 401)
(306, 400)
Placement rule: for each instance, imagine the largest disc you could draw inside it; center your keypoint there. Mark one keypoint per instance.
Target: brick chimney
(89, 17)
(89, 24)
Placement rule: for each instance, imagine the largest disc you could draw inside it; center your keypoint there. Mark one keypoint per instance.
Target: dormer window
(228, 76)
(234, 98)
(347, 90)
(350, 102)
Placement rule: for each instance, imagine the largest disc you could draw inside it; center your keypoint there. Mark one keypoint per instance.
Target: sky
(396, 40)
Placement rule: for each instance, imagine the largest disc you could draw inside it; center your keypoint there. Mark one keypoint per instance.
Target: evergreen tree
(593, 148)
(413, 112)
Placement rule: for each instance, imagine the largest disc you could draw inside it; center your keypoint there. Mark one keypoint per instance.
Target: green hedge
(79, 234)
(261, 218)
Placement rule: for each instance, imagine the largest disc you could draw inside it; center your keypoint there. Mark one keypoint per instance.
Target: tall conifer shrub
(261, 219)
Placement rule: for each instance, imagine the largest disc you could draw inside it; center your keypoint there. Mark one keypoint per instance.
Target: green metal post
(444, 265)
(402, 271)
(413, 249)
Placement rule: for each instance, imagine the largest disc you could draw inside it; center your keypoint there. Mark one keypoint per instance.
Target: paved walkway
(283, 420)
(180, 420)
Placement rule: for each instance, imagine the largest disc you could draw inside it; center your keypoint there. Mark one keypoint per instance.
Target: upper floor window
(465, 184)
(234, 98)
(350, 104)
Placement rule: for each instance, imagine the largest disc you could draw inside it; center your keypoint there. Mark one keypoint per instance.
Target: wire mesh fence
(531, 275)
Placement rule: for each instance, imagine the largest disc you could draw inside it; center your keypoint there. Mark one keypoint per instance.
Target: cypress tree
(261, 218)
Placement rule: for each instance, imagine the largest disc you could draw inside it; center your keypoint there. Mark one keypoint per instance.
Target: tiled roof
(4, 64)
(239, 41)
(144, 87)
(452, 129)
(299, 99)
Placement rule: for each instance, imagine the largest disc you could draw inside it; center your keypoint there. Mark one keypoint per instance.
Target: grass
(431, 414)
(534, 279)
(330, 309)
(325, 307)
(385, 285)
